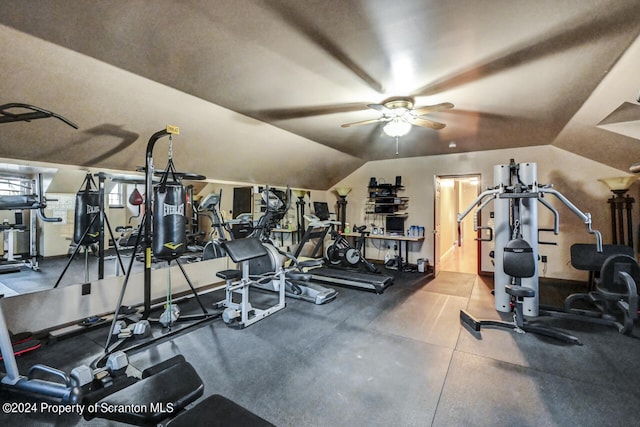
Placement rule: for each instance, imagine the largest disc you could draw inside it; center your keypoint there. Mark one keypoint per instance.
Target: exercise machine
(19, 112)
(341, 254)
(64, 390)
(612, 298)
(36, 202)
(316, 232)
(210, 207)
(515, 195)
(239, 282)
(298, 283)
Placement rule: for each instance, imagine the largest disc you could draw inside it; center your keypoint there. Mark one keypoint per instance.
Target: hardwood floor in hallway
(463, 259)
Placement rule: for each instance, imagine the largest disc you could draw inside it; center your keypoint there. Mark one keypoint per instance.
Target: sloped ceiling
(260, 88)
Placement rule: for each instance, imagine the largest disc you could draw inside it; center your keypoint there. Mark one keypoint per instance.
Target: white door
(436, 227)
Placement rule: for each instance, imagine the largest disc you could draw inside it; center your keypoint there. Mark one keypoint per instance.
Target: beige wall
(448, 224)
(574, 176)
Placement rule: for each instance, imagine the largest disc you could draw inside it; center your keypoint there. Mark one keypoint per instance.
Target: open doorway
(456, 246)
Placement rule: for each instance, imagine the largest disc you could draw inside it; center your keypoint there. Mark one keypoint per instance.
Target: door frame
(436, 218)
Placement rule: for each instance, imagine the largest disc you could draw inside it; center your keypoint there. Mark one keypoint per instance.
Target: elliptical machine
(209, 207)
(297, 282)
(341, 253)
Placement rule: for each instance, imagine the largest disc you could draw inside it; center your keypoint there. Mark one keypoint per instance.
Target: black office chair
(615, 295)
(518, 262)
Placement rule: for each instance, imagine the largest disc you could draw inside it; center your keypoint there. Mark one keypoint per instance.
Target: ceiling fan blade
(432, 108)
(419, 121)
(300, 112)
(569, 36)
(381, 108)
(366, 122)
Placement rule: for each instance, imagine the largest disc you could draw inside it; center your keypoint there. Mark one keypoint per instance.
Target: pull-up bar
(36, 113)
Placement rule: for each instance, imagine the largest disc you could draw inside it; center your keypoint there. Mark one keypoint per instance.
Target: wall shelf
(383, 199)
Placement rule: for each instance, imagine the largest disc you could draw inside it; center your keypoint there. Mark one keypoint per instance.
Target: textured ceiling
(520, 73)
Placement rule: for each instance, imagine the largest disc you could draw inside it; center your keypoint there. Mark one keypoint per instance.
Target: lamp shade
(300, 193)
(619, 183)
(397, 127)
(343, 191)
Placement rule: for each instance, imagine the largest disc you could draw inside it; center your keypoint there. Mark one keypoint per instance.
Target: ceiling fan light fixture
(397, 128)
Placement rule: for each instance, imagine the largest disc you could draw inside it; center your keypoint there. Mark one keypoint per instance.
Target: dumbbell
(169, 317)
(140, 329)
(83, 374)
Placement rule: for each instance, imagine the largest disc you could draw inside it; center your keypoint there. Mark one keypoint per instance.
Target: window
(115, 196)
(12, 186)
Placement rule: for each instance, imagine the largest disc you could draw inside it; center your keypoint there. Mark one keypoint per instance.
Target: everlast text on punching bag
(86, 215)
(169, 229)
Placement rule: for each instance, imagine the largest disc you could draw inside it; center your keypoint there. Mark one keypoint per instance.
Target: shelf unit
(384, 200)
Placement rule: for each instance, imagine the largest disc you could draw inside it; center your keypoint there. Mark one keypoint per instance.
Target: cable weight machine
(515, 197)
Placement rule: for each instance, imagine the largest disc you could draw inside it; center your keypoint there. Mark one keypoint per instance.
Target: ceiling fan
(398, 111)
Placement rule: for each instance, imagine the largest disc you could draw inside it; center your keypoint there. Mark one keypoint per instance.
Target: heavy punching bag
(87, 208)
(169, 228)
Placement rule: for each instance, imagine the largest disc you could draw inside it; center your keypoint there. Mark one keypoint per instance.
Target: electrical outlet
(544, 258)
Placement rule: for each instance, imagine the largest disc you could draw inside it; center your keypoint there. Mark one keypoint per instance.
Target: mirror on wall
(42, 254)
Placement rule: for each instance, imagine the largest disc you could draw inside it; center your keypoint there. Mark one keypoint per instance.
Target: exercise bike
(341, 253)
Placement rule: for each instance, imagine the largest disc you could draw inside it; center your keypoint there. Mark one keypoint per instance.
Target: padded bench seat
(229, 274)
(157, 397)
(218, 411)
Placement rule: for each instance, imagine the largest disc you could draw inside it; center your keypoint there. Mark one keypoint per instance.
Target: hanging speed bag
(87, 208)
(169, 228)
(136, 198)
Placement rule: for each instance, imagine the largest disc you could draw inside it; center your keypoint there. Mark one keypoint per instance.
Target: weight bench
(241, 251)
(163, 391)
(218, 411)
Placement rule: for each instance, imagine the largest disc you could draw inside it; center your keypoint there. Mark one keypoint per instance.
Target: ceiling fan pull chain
(397, 145)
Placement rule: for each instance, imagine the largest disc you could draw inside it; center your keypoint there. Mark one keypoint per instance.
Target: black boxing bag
(87, 208)
(169, 228)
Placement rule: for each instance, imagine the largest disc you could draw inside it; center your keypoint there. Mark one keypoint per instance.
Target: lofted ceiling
(520, 73)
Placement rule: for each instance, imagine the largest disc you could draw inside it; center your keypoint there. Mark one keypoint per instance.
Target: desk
(404, 241)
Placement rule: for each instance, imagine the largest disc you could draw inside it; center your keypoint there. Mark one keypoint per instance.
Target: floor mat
(6, 291)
